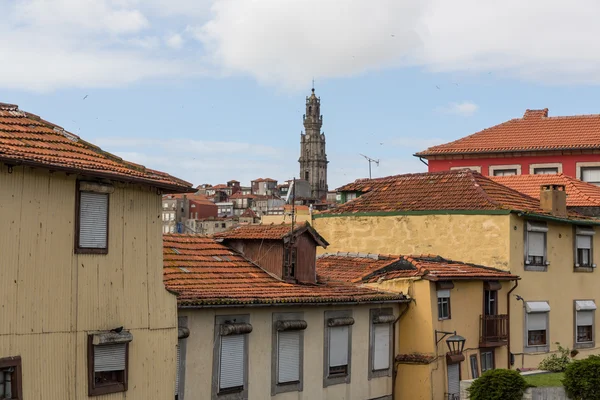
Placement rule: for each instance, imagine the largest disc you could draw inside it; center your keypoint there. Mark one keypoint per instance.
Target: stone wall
(539, 393)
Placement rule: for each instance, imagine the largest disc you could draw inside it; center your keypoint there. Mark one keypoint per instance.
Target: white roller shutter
(535, 242)
(584, 242)
(109, 357)
(585, 318)
(442, 294)
(536, 321)
(453, 379)
(178, 366)
(381, 347)
(288, 351)
(590, 175)
(93, 219)
(338, 346)
(231, 372)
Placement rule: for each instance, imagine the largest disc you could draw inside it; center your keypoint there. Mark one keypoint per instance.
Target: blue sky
(212, 90)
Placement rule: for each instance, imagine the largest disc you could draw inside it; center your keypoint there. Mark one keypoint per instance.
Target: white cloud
(91, 43)
(174, 41)
(466, 109)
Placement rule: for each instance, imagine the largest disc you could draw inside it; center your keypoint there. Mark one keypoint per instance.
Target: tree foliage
(498, 384)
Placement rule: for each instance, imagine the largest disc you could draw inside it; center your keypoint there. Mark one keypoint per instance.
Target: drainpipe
(508, 322)
(394, 370)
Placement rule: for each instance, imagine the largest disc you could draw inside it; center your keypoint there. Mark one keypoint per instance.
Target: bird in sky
(86, 96)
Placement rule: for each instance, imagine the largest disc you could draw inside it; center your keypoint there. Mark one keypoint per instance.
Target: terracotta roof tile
(203, 273)
(456, 190)
(534, 132)
(27, 139)
(248, 213)
(579, 193)
(369, 268)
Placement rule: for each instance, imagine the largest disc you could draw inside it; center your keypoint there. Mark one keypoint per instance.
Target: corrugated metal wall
(50, 298)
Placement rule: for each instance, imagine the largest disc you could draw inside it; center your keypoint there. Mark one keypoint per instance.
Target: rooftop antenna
(370, 160)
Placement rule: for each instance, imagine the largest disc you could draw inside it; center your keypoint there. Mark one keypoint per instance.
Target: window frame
(581, 166)
(109, 388)
(17, 375)
(493, 359)
(440, 317)
(475, 168)
(584, 345)
(530, 226)
(536, 348)
(583, 231)
(474, 366)
(276, 387)
(493, 168)
(557, 166)
(97, 188)
(336, 380)
(221, 320)
(182, 335)
(374, 314)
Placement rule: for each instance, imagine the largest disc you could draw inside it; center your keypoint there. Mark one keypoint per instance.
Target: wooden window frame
(89, 250)
(17, 377)
(474, 366)
(109, 388)
(490, 351)
(440, 317)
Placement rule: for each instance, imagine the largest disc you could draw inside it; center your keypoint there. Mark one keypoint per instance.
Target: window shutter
(381, 347)
(443, 293)
(231, 372)
(93, 219)
(584, 242)
(585, 318)
(589, 174)
(338, 346)
(536, 321)
(178, 366)
(288, 351)
(453, 379)
(536, 243)
(109, 357)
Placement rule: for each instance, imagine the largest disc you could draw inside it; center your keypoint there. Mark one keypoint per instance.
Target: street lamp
(456, 345)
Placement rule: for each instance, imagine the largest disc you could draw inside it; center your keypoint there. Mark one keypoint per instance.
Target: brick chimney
(539, 114)
(553, 198)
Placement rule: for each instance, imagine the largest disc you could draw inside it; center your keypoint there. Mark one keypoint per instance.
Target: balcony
(493, 330)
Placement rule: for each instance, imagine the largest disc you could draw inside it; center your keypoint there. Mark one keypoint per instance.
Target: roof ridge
(473, 176)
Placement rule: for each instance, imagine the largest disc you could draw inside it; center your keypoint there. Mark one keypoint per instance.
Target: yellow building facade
(495, 239)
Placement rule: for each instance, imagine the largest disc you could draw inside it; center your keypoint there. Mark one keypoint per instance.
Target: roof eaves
(416, 212)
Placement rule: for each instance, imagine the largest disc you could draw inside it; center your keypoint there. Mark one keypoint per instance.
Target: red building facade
(533, 144)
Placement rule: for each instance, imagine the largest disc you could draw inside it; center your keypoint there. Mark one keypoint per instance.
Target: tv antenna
(370, 160)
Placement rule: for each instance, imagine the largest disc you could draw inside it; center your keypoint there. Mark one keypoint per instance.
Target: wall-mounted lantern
(456, 346)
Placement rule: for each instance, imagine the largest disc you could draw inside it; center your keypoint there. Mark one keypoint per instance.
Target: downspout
(394, 369)
(508, 323)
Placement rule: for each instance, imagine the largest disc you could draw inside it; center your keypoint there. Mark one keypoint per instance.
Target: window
(474, 367)
(487, 360)
(182, 334)
(287, 355)
(535, 246)
(380, 349)
(230, 359)
(216, 225)
(337, 347)
(166, 205)
(505, 172)
(172, 229)
(545, 171)
(584, 323)
(92, 218)
(306, 175)
(290, 257)
(108, 355)
(591, 175)
(172, 216)
(10, 372)
(536, 323)
(583, 247)
(443, 302)
(490, 298)
(475, 168)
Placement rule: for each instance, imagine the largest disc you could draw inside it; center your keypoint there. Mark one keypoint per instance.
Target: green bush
(582, 379)
(556, 362)
(498, 384)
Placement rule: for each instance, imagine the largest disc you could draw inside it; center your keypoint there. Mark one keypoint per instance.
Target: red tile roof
(456, 190)
(358, 267)
(220, 186)
(363, 185)
(248, 213)
(579, 193)
(270, 232)
(203, 273)
(29, 140)
(239, 195)
(534, 132)
(264, 180)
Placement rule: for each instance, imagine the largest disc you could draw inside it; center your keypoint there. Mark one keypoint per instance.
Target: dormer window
(289, 261)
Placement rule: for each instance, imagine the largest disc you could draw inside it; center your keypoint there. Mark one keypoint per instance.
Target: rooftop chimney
(536, 113)
(553, 198)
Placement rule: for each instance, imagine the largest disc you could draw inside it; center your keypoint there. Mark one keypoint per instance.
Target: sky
(214, 90)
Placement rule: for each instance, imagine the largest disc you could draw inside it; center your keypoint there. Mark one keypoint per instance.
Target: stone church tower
(313, 159)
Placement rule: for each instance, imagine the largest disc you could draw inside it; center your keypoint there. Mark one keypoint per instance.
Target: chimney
(553, 198)
(536, 114)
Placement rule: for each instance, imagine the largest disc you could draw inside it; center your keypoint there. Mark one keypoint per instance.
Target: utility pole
(291, 263)
(370, 160)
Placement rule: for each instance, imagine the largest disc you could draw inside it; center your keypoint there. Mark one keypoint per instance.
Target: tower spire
(313, 159)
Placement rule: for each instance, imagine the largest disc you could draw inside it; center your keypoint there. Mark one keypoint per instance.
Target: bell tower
(313, 159)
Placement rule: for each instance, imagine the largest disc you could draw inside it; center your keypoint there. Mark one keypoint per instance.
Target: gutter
(508, 323)
(298, 304)
(394, 369)
(106, 175)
